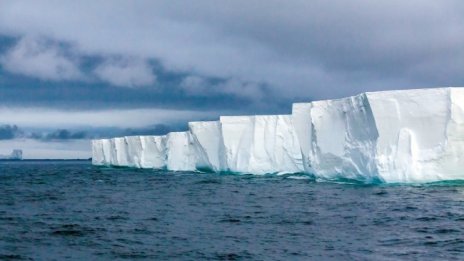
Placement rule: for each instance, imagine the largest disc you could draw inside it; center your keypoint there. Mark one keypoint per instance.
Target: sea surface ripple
(72, 210)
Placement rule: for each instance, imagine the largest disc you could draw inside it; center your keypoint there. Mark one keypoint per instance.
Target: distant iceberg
(15, 155)
(402, 136)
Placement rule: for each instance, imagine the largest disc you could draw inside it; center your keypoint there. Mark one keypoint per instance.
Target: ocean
(61, 210)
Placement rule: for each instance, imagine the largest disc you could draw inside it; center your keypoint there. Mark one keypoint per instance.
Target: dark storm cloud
(156, 129)
(26, 92)
(8, 132)
(65, 135)
(159, 129)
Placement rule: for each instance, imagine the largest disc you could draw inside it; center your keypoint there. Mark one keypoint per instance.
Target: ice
(301, 119)
(119, 155)
(97, 152)
(275, 147)
(180, 152)
(209, 145)
(153, 152)
(261, 144)
(420, 134)
(338, 138)
(107, 151)
(393, 136)
(237, 137)
(134, 151)
(402, 136)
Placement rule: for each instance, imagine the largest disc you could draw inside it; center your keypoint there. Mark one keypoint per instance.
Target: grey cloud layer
(296, 49)
(129, 118)
(8, 132)
(41, 59)
(11, 132)
(126, 72)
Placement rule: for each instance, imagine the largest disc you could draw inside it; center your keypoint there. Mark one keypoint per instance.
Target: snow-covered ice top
(389, 136)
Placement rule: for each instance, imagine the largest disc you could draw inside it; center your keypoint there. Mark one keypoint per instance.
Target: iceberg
(16, 154)
(405, 136)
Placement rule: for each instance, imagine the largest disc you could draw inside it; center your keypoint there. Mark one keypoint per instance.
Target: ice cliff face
(421, 134)
(261, 144)
(391, 136)
(337, 137)
(209, 145)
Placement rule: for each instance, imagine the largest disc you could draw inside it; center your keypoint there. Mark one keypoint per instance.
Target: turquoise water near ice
(73, 210)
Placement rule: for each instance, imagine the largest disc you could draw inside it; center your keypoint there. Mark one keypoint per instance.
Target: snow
(390, 136)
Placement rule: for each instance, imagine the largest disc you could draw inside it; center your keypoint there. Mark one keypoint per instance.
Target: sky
(71, 71)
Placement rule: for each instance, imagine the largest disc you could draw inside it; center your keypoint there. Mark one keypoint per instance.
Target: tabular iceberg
(390, 136)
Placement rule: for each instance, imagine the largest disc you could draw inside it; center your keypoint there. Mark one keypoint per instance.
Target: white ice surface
(342, 138)
(420, 134)
(134, 151)
(390, 136)
(180, 152)
(261, 144)
(97, 152)
(153, 152)
(209, 145)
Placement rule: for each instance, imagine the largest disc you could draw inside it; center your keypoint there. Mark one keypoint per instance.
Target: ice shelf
(391, 136)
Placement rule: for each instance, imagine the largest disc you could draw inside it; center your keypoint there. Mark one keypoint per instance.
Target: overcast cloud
(301, 47)
(189, 60)
(36, 57)
(126, 72)
(128, 118)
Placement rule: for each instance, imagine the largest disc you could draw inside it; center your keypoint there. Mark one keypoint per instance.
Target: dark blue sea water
(72, 210)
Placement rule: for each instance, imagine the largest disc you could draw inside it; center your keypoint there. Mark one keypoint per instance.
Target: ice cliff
(390, 136)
